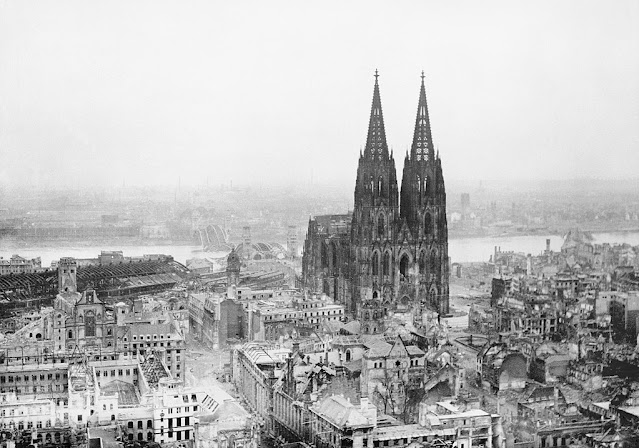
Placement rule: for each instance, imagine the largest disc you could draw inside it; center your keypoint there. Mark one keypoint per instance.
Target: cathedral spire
(422, 148)
(376, 147)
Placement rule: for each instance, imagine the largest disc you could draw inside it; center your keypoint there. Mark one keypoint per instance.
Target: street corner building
(391, 253)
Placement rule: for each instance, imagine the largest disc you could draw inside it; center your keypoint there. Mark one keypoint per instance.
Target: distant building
(246, 243)
(233, 266)
(336, 421)
(390, 373)
(262, 373)
(111, 257)
(204, 317)
(19, 265)
(268, 321)
(465, 204)
(292, 242)
(232, 321)
(502, 368)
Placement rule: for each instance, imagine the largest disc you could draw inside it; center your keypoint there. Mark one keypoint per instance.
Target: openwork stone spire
(422, 148)
(376, 147)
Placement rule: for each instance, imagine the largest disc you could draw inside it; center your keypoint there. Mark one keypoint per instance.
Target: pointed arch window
(380, 227)
(375, 263)
(422, 262)
(433, 262)
(387, 262)
(428, 224)
(89, 325)
(419, 183)
(335, 261)
(324, 256)
(380, 185)
(404, 265)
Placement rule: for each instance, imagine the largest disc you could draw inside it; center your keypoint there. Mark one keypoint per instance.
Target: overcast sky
(151, 91)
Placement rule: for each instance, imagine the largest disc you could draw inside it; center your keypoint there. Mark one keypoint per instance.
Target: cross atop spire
(376, 147)
(422, 148)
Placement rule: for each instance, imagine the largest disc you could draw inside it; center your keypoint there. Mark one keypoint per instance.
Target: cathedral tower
(391, 254)
(375, 215)
(423, 211)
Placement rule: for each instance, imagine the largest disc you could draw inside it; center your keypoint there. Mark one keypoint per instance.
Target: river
(464, 250)
(461, 250)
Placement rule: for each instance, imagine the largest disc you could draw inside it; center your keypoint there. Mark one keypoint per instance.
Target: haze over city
(266, 224)
(152, 93)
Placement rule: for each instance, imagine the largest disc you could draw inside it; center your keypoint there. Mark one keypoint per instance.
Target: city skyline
(340, 224)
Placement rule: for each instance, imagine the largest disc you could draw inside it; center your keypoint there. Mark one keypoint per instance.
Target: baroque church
(391, 253)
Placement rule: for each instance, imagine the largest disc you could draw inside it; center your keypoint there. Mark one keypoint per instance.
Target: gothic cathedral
(391, 254)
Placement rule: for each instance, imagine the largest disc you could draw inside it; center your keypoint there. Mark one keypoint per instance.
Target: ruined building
(391, 254)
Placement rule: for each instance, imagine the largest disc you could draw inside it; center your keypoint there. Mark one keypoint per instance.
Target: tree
(395, 390)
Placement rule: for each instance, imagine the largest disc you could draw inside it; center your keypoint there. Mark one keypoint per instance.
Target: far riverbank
(460, 250)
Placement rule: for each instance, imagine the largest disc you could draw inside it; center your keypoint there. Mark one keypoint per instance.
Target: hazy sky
(152, 91)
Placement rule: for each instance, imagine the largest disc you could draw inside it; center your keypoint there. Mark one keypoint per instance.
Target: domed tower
(233, 264)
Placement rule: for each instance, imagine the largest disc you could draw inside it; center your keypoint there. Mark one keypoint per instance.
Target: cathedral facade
(391, 253)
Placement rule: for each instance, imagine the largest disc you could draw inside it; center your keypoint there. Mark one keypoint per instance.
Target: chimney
(363, 405)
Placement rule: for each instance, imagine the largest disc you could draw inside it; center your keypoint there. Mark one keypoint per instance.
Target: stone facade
(392, 252)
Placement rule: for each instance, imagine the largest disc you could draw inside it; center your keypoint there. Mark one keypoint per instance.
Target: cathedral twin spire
(376, 146)
(422, 148)
(422, 169)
